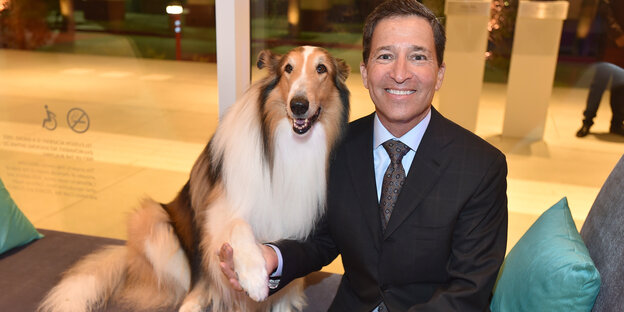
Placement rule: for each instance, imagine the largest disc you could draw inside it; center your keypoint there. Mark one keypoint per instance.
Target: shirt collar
(412, 138)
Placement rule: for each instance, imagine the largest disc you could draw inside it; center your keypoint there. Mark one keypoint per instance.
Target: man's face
(402, 73)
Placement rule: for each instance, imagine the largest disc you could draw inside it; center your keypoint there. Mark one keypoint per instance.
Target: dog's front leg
(249, 262)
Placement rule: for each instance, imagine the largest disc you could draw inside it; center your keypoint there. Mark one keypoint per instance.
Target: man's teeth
(400, 92)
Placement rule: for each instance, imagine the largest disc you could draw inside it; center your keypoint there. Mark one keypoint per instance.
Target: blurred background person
(605, 73)
(611, 13)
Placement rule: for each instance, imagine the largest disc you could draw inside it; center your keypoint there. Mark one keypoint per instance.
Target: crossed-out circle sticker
(78, 120)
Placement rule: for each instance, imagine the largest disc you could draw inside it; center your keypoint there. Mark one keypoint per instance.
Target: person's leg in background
(598, 86)
(617, 101)
(617, 107)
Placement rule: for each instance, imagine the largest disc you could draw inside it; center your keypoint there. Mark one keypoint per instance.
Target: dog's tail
(89, 284)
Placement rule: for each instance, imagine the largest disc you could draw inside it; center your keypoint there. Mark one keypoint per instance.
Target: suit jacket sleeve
(304, 257)
(478, 248)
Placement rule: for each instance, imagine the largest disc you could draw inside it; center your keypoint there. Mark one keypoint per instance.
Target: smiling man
(416, 205)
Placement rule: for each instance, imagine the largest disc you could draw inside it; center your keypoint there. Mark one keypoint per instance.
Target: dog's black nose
(299, 105)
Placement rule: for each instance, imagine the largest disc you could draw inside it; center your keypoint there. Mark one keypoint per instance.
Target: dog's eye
(288, 68)
(321, 69)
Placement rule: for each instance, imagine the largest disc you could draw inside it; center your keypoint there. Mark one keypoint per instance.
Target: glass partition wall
(96, 109)
(105, 102)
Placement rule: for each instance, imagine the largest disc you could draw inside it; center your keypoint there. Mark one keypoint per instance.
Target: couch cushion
(15, 229)
(549, 269)
(603, 232)
(28, 272)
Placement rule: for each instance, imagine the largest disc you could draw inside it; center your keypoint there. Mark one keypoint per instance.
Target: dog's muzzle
(299, 107)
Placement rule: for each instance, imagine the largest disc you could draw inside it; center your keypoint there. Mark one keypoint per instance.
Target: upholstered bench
(28, 272)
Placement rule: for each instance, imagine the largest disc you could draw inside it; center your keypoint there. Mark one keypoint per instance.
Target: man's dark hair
(395, 8)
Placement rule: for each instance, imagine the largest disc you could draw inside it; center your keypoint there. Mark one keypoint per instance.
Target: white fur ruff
(282, 203)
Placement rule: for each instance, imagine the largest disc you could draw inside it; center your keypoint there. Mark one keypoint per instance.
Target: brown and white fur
(261, 178)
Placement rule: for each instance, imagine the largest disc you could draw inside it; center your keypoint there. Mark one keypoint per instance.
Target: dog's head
(310, 83)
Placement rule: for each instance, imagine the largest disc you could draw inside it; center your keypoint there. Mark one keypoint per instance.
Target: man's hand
(226, 256)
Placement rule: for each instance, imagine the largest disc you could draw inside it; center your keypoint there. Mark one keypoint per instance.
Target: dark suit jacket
(445, 240)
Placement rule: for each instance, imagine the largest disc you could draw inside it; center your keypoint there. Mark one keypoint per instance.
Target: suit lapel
(424, 172)
(360, 156)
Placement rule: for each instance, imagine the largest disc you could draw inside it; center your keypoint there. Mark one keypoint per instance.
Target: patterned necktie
(393, 179)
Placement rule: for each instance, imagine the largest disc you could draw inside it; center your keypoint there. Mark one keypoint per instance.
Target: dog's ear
(266, 58)
(342, 69)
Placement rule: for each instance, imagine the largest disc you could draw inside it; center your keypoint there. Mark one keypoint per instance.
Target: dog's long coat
(261, 178)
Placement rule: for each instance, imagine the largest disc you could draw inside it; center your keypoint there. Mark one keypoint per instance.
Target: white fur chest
(286, 201)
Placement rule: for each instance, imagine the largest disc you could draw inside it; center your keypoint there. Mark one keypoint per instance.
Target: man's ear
(364, 74)
(440, 77)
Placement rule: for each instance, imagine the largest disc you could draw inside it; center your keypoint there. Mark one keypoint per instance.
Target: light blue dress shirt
(381, 159)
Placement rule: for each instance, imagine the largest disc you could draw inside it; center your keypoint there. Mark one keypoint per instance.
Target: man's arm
(304, 257)
(478, 248)
(299, 257)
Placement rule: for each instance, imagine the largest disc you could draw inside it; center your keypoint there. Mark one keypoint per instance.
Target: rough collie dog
(261, 178)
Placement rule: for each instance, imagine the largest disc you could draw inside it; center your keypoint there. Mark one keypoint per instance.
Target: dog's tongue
(300, 123)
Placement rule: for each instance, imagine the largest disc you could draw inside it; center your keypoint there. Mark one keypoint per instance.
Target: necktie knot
(396, 150)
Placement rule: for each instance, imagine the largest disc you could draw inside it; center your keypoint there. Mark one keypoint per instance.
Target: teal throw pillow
(549, 269)
(15, 229)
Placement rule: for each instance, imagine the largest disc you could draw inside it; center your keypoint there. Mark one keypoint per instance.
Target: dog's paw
(190, 307)
(252, 275)
(255, 285)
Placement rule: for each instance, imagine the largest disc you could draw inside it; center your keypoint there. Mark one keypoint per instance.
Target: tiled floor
(148, 120)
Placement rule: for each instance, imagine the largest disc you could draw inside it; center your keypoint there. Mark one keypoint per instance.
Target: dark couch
(603, 233)
(28, 272)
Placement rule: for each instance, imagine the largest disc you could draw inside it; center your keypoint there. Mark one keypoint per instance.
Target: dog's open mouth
(302, 125)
